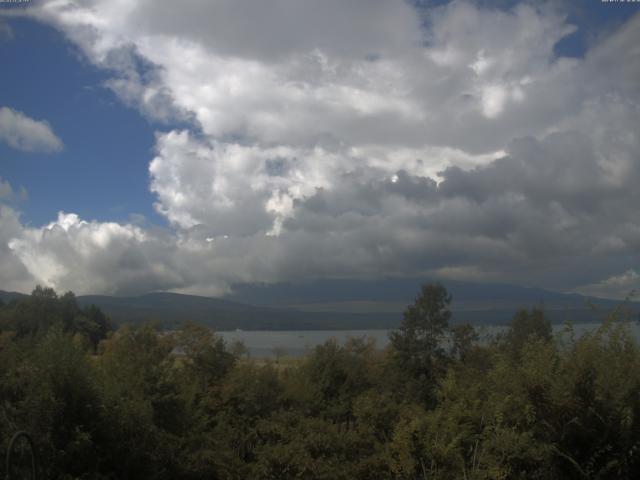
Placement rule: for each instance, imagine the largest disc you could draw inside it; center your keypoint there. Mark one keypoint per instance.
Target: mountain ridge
(340, 305)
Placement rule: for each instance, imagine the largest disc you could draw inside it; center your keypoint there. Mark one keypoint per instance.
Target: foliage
(139, 403)
(525, 327)
(417, 343)
(33, 316)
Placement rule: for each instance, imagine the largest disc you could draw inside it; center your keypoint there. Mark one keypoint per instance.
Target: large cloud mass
(357, 138)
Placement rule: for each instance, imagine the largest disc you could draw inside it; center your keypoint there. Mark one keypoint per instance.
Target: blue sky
(102, 173)
(280, 130)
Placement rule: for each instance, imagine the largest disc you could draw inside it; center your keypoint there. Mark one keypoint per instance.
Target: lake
(265, 344)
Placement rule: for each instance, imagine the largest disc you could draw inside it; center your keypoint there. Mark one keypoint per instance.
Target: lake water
(265, 344)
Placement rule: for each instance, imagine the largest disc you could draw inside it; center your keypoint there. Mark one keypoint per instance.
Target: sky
(191, 146)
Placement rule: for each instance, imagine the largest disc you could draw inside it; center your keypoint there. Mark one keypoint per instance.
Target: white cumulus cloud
(623, 285)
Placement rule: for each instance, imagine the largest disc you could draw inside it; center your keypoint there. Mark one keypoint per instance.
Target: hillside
(171, 309)
(341, 304)
(473, 303)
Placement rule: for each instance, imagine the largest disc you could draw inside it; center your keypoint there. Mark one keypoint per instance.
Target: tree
(417, 343)
(205, 354)
(142, 407)
(527, 326)
(463, 339)
(55, 399)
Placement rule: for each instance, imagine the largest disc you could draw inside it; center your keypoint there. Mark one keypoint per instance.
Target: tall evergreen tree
(418, 342)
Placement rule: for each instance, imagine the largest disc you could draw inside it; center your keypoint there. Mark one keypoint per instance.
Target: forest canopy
(139, 403)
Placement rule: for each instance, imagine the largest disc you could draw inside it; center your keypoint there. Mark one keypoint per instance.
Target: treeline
(138, 403)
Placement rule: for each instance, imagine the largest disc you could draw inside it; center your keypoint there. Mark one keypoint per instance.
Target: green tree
(329, 379)
(417, 345)
(463, 340)
(204, 353)
(525, 327)
(31, 317)
(144, 411)
(50, 392)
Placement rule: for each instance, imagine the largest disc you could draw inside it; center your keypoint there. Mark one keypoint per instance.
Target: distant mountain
(472, 302)
(387, 289)
(8, 296)
(342, 304)
(172, 309)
